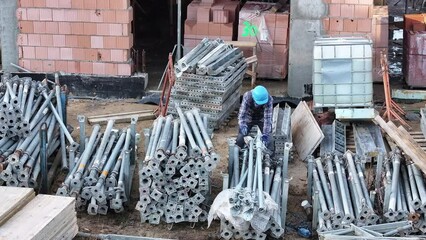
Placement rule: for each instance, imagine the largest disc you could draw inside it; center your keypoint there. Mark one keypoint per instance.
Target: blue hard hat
(260, 95)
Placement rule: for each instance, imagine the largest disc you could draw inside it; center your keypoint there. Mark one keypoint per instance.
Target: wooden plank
(306, 132)
(242, 44)
(12, 200)
(42, 218)
(412, 149)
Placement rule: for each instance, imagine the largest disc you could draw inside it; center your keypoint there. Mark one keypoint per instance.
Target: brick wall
(76, 36)
(359, 18)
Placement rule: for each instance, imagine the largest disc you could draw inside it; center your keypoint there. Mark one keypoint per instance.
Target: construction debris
(253, 202)
(26, 105)
(209, 77)
(40, 217)
(174, 178)
(101, 175)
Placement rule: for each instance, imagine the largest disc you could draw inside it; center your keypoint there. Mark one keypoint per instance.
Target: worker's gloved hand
(244, 129)
(265, 139)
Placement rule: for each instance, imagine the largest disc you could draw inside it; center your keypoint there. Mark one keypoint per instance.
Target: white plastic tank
(342, 72)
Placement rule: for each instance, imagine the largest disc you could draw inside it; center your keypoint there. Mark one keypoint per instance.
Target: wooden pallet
(41, 217)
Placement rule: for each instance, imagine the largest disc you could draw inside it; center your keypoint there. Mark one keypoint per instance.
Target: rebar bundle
(253, 203)
(209, 78)
(25, 106)
(174, 177)
(100, 178)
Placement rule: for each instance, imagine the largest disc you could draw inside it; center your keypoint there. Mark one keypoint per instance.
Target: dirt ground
(128, 222)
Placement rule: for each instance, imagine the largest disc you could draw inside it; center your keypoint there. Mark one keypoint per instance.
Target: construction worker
(255, 109)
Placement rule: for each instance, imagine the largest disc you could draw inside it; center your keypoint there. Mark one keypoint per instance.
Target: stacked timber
(42, 217)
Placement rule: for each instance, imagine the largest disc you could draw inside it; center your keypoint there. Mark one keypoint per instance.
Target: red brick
(52, 27)
(33, 39)
(52, 3)
(21, 14)
(127, 30)
(77, 4)
(347, 10)
(26, 27)
(226, 29)
(202, 29)
(41, 52)
(125, 16)
(110, 42)
(79, 54)
(336, 24)
(77, 28)
(86, 67)
(120, 55)
(64, 27)
(124, 69)
(119, 4)
(46, 40)
(281, 21)
(364, 25)
(61, 66)
(116, 29)
(39, 27)
(29, 52)
(111, 69)
(97, 42)
(102, 29)
(49, 66)
(109, 16)
(124, 42)
(104, 55)
(71, 15)
(83, 15)
(33, 14)
(25, 63)
(281, 36)
(220, 16)
(66, 53)
(214, 30)
(334, 10)
(64, 3)
(366, 2)
(73, 67)
(362, 11)
(22, 40)
(46, 14)
(326, 24)
(203, 15)
(39, 3)
(191, 11)
(91, 4)
(99, 68)
(89, 28)
(96, 16)
(58, 15)
(71, 41)
(352, 1)
(36, 65)
(84, 41)
(26, 3)
(53, 53)
(349, 25)
(102, 4)
(190, 30)
(91, 54)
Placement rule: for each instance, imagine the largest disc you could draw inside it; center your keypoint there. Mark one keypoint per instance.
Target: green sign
(249, 30)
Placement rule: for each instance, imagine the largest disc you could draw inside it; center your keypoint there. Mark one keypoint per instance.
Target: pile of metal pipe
(253, 203)
(404, 193)
(175, 175)
(26, 105)
(101, 172)
(209, 78)
(340, 194)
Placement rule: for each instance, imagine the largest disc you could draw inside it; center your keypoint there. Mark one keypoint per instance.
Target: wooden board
(306, 132)
(12, 200)
(45, 217)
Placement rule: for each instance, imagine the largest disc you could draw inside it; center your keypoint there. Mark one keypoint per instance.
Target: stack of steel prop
(340, 196)
(100, 176)
(209, 77)
(404, 193)
(254, 203)
(26, 105)
(174, 178)
(281, 129)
